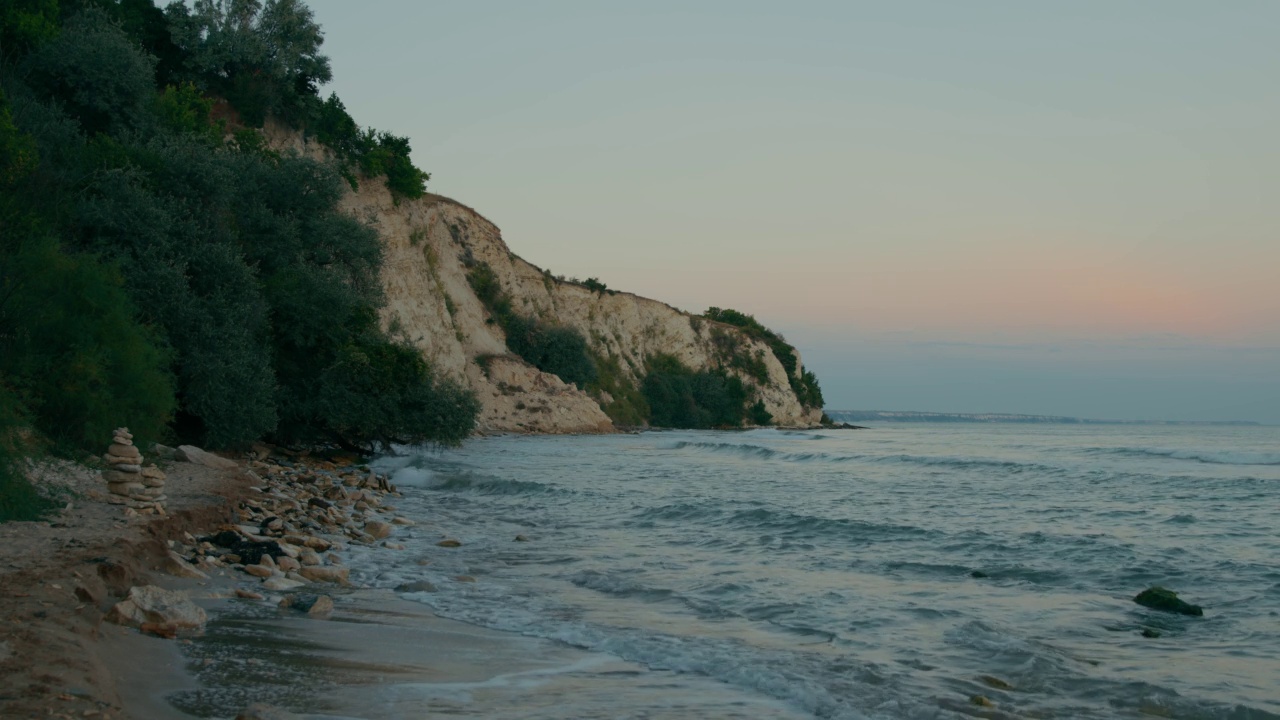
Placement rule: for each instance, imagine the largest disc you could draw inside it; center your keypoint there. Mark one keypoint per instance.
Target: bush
(18, 499)
(556, 349)
(96, 72)
(805, 385)
(380, 393)
(628, 406)
(68, 313)
(374, 153)
(681, 397)
(154, 271)
(757, 415)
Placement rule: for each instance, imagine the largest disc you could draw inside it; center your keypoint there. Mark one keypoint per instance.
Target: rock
(1150, 633)
(449, 543)
(326, 574)
(127, 468)
(416, 586)
(168, 631)
(126, 489)
(123, 432)
(117, 576)
(261, 571)
(124, 451)
(179, 567)
(309, 557)
(402, 521)
(281, 584)
(196, 456)
(91, 593)
(521, 538)
(981, 701)
(978, 574)
(1158, 598)
(320, 503)
(249, 551)
(151, 471)
(151, 604)
(464, 578)
(393, 546)
(248, 594)
(995, 682)
(378, 530)
(323, 607)
(313, 605)
(287, 563)
(164, 452)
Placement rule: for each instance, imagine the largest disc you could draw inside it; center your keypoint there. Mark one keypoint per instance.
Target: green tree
(263, 57)
(96, 71)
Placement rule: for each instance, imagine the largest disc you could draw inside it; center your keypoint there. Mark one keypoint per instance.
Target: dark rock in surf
(1149, 633)
(978, 574)
(248, 551)
(1158, 598)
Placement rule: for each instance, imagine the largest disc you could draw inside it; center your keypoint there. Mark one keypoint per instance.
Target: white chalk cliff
(431, 243)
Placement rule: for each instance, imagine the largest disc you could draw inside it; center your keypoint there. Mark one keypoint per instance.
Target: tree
(97, 72)
(263, 57)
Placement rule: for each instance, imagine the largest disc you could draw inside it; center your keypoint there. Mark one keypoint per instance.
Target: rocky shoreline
(268, 528)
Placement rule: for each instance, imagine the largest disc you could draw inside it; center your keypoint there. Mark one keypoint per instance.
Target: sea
(908, 570)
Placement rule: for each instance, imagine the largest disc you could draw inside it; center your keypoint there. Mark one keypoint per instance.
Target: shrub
(97, 72)
(159, 271)
(374, 153)
(757, 415)
(18, 499)
(804, 384)
(556, 349)
(628, 406)
(67, 313)
(681, 397)
(378, 393)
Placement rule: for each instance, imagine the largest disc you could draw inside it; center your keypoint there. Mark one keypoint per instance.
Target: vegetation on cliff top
(804, 383)
(670, 394)
(165, 270)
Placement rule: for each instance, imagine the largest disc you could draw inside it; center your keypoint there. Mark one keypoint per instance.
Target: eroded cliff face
(431, 243)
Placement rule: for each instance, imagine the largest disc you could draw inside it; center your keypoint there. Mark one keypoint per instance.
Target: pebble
(281, 584)
(261, 571)
(449, 543)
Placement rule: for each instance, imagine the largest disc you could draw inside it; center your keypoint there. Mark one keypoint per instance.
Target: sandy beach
(374, 656)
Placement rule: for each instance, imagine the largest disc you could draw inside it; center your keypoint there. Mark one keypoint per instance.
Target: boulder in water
(1158, 598)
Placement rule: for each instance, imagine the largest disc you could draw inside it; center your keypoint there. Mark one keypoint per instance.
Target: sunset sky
(1067, 208)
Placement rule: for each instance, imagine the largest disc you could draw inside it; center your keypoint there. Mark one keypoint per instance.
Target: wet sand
(379, 656)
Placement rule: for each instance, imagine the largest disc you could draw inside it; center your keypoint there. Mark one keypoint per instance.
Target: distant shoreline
(910, 416)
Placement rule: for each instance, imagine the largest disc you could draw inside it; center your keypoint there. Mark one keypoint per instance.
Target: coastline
(376, 655)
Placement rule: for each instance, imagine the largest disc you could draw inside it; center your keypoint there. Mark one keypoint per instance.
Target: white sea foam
(413, 477)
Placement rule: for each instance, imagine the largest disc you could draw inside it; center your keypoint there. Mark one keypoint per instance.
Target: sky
(1047, 208)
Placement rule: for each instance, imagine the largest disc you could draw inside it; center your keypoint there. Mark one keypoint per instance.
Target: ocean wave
(758, 452)
(484, 485)
(782, 523)
(1212, 457)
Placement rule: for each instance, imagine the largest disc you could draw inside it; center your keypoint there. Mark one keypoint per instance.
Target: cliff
(431, 243)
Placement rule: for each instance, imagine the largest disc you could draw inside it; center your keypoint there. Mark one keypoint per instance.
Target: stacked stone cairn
(132, 484)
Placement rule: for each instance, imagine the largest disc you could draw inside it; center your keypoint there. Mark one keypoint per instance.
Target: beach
(375, 655)
(921, 571)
